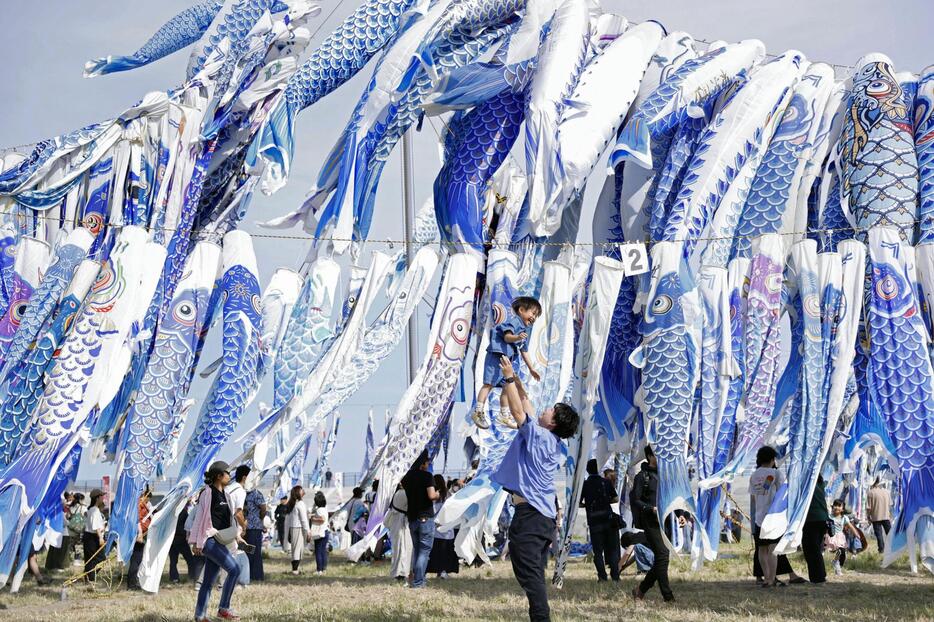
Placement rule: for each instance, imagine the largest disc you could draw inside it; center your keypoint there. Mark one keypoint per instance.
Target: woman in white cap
(213, 532)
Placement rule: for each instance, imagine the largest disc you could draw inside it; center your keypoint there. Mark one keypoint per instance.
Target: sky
(46, 44)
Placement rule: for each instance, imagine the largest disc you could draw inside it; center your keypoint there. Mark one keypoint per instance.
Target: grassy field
(721, 591)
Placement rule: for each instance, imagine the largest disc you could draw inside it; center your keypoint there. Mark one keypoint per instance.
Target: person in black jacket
(642, 499)
(597, 495)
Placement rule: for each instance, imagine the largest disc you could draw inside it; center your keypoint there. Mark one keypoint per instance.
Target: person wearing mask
(597, 495)
(812, 534)
(318, 530)
(527, 471)
(296, 524)
(254, 510)
(237, 492)
(181, 547)
(420, 492)
(397, 523)
(144, 508)
(93, 537)
(879, 512)
(642, 500)
(443, 558)
(281, 512)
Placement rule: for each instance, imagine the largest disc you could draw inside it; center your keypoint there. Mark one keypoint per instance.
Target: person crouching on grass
(528, 472)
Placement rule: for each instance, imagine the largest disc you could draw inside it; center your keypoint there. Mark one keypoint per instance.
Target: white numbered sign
(634, 257)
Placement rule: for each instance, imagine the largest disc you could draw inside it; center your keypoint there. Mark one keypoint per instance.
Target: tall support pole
(408, 195)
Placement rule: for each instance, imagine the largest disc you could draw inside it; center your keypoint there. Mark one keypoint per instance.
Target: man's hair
(357, 492)
(647, 450)
(375, 486)
(241, 472)
(592, 466)
(765, 455)
(422, 460)
(566, 420)
(526, 302)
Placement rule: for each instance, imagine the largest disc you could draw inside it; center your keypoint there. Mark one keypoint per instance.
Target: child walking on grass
(509, 339)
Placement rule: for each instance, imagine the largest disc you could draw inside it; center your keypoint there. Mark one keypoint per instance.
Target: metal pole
(408, 195)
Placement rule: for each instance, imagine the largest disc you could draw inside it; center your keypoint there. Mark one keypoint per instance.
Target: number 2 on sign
(634, 257)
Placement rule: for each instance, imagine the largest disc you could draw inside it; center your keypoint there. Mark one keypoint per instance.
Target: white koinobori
(604, 288)
(607, 87)
(561, 59)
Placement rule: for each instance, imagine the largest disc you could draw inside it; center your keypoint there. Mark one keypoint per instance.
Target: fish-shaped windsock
(235, 381)
(331, 191)
(711, 403)
(26, 382)
(829, 299)
(177, 33)
(561, 60)
(308, 330)
(669, 357)
(924, 149)
(340, 56)
(903, 387)
(762, 351)
(604, 288)
(607, 87)
(369, 443)
(636, 187)
(456, 51)
(432, 390)
(335, 356)
(47, 295)
(476, 144)
(728, 153)
(279, 299)
(152, 414)
(70, 390)
(775, 189)
(876, 152)
(231, 391)
(466, 17)
(689, 93)
(32, 257)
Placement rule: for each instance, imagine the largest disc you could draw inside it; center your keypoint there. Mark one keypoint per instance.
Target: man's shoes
(669, 599)
(480, 418)
(637, 595)
(227, 614)
(601, 578)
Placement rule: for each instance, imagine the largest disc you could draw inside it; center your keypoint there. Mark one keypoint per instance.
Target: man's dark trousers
(530, 536)
(659, 570)
(605, 542)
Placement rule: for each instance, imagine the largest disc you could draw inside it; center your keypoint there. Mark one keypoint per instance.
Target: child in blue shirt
(509, 339)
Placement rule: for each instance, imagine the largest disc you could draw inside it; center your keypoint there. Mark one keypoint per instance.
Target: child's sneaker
(837, 569)
(506, 419)
(480, 418)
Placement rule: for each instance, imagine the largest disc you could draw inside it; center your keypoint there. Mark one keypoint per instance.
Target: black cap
(218, 467)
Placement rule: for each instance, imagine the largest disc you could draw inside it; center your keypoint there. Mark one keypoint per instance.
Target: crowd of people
(222, 533)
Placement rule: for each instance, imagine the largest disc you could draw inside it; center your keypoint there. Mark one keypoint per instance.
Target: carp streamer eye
(257, 303)
(811, 306)
(662, 305)
(459, 330)
(185, 314)
(878, 87)
(773, 283)
(887, 288)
